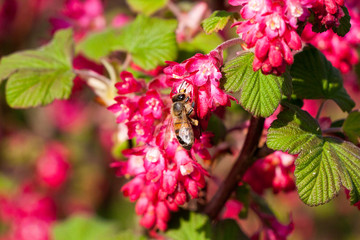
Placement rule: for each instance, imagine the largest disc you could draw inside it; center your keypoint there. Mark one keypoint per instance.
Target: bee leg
(194, 121)
(187, 99)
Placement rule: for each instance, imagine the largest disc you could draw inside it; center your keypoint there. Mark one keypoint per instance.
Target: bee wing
(169, 135)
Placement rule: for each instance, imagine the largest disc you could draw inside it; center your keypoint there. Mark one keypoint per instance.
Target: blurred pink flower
(83, 16)
(232, 209)
(274, 171)
(53, 167)
(29, 214)
(340, 51)
(189, 22)
(120, 20)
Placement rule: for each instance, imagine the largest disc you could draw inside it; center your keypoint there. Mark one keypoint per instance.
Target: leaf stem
(126, 62)
(243, 162)
(332, 130)
(229, 43)
(91, 74)
(320, 109)
(174, 9)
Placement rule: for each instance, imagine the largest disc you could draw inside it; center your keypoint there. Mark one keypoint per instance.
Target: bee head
(179, 97)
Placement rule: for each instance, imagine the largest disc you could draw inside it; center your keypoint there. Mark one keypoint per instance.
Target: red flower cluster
(274, 171)
(202, 74)
(270, 27)
(164, 174)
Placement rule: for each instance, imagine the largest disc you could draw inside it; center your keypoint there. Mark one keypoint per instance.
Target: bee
(182, 122)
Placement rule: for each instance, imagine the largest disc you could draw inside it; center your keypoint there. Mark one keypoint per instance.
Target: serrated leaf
(345, 24)
(323, 164)
(351, 127)
(150, 41)
(84, 228)
(145, 6)
(293, 131)
(348, 157)
(216, 22)
(195, 227)
(228, 229)
(321, 171)
(38, 77)
(98, 44)
(315, 78)
(258, 93)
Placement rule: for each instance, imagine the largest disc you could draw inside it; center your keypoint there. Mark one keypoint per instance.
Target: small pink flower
(133, 188)
(129, 84)
(151, 104)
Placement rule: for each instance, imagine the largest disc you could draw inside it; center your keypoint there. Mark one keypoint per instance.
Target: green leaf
(351, 127)
(128, 235)
(315, 78)
(323, 164)
(38, 77)
(293, 130)
(258, 93)
(150, 41)
(84, 228)
(345, 24)
(217, 21)
(320, 171)
(145, 6)
(201, 43)
(228, 229)
(195, 226)
(98, 44)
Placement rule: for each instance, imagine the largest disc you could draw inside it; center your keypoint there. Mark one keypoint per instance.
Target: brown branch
(244, 161)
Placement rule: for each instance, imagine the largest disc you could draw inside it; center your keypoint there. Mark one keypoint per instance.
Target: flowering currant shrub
(179, 120)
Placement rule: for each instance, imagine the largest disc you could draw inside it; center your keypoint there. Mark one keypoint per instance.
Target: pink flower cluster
(165, 175)
(274, 171)
(29, 215)
(202, 74)
(270, 27)
(340, 51)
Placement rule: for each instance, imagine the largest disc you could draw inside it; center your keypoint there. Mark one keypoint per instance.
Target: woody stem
(243, 162)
